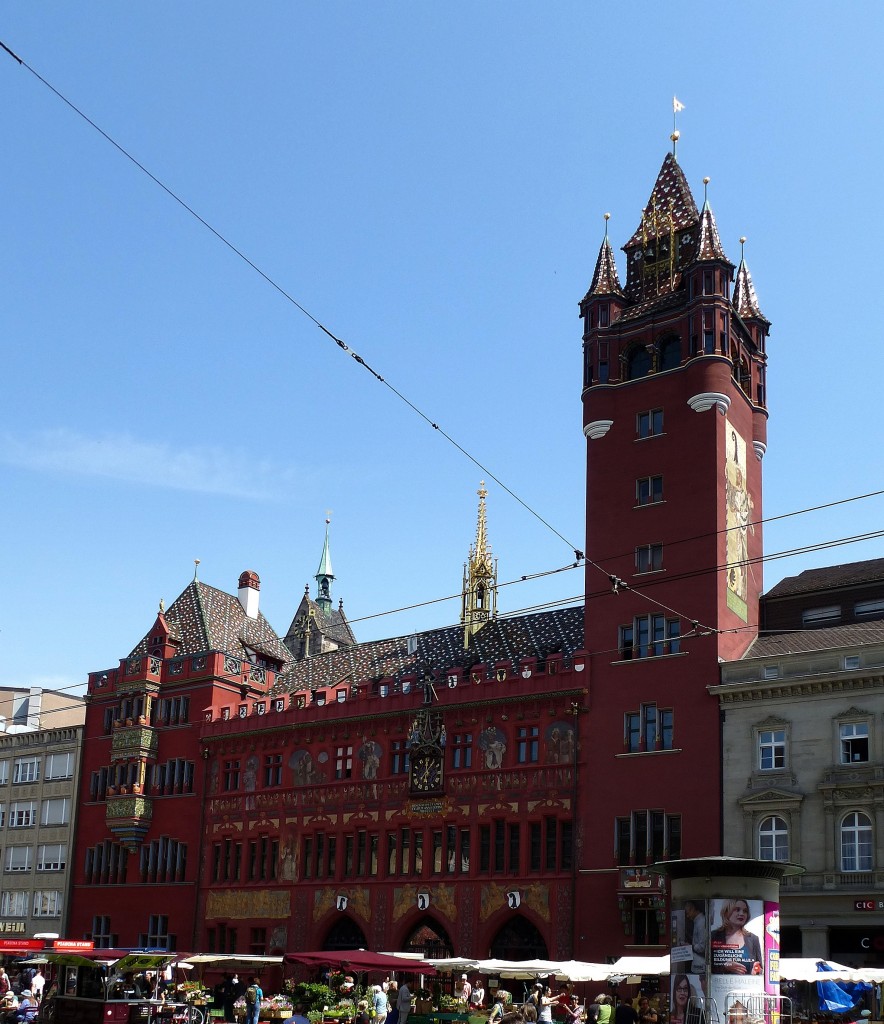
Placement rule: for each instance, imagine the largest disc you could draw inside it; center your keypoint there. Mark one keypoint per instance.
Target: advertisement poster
(772, 948)
(690, 937)
(737, 944)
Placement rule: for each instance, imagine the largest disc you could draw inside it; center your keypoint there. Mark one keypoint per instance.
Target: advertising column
(725, 937)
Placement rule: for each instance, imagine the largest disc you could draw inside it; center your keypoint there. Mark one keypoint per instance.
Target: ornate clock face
(426, 774)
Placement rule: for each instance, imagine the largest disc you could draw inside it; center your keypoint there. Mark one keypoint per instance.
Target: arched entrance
(429, 938)
(518, 939)
(346, 934)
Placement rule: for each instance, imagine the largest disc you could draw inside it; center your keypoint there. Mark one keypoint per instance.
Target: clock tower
(675, 416)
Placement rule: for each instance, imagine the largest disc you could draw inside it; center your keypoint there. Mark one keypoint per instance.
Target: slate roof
(203, 618)
(333, 625)
(809, 640)
(605, 280)
(671, 184)
(504, 639)
(745, 299)
(829, 577)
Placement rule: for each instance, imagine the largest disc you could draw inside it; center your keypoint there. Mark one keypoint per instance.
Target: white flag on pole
(676, 105)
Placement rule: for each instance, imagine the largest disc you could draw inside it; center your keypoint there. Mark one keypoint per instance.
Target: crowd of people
(20, 994)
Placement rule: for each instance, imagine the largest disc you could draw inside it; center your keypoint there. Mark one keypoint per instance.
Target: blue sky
(428, 180)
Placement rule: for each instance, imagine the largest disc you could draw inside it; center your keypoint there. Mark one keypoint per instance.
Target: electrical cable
(291, 299)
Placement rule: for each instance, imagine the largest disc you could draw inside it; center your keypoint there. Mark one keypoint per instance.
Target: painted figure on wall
(738, 517)
(560, 743)
(370, 756)
(304, 771)
(492, 743)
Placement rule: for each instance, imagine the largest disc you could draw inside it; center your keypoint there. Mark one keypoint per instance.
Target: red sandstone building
(489, 789)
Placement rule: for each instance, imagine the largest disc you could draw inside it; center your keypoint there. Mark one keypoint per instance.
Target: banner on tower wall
(738, 515)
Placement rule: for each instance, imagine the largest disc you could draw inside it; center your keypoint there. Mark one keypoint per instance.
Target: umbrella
(641, 965)
(518, 968)
(578, 970)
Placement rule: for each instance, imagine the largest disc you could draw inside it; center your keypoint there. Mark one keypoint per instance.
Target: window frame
(775, 743)
(779, 838)
(850, 840)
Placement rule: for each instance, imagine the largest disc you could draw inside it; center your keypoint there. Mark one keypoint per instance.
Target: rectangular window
(343, 762)
(26, 769)
(14, 904)
(258, 941)
(649, 490)
(418, 844)
(566, 845)
(348, 856)
(4, 772)
(551, 843)
(101, 932)
(56, 812)
(398, 758)
(866, 609)
(47, 903)
(499, 847)
(854, 742)
(534, 846)
(391, 855)
(18, 858)
(604, 314)
(405, 838)
(772, 749)
(484, 847)
(231, 775)
(59, 766)
(437, 851)
(465, 850)
(649, 558)
(649, 636)
(827, 616)
(273, 770)
(647, 836)
(23, 814)
(51, 857)
(649, 424)
(462, 750)
(514, 847)
(528, 744)
(632, 732)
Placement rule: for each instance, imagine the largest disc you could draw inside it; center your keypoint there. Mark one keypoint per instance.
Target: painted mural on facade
(738, 516)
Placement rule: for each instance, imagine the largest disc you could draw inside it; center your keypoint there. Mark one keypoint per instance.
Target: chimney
(249, 585)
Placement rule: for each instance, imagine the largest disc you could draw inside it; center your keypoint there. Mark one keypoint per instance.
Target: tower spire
(324, 575)
(479, 595)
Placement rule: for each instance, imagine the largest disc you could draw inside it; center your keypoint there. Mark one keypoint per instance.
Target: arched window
(856, 842)
(773, 839)
(670, 353)
(638, 362)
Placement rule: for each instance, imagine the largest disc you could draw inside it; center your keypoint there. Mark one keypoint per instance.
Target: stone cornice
(773, 689)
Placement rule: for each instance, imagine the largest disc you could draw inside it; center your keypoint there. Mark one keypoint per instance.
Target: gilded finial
(196, 563)
(706, 181)
(607, 218)
(742, 245)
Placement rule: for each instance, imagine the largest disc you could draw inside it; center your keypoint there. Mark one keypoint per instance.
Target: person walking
(403, 1002)
(254, 995)
(381, 1006)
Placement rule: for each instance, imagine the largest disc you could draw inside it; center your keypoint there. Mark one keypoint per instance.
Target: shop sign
(12, 927)
(73, 945)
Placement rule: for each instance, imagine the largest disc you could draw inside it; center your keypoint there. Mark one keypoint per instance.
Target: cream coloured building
(803, 757)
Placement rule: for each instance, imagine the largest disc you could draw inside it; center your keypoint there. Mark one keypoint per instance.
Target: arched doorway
(518, 939)
(429, 938)
(346, 934)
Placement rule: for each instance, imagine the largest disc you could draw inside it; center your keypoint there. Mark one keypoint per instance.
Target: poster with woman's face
(736, 940)
(684, 987)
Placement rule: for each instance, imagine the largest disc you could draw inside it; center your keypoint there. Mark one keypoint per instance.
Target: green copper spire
(324, 576)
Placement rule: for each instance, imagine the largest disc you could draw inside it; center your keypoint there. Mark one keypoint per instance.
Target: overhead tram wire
(578, 598)
(578, 554)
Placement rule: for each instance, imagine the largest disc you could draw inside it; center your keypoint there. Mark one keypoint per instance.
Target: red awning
(360, 960)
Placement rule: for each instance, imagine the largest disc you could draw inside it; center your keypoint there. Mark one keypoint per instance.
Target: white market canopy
(808, 968)
(636, 965)
(573, 970)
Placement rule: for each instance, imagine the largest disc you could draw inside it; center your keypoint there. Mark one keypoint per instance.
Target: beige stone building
(40, 742)
(803, 757)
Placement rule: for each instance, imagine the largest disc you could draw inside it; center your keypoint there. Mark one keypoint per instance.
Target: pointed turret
(709, 244)
(605, 280)
(479, 595)
(324, 576)
(665, 242)
(745, 299)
